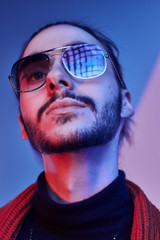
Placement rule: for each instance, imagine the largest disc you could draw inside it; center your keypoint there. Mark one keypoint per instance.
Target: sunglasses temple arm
(120, 79)
(13, 87)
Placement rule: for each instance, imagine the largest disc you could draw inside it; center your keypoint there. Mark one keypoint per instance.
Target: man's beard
(102, 130)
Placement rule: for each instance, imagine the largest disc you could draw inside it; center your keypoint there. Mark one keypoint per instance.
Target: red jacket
(146, 220)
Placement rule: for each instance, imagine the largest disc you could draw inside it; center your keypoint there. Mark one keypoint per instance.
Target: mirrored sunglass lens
(31, 72)
(84, 61)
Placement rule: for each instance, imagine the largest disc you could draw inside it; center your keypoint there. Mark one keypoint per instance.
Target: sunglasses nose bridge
(57, 78)
(53, 59)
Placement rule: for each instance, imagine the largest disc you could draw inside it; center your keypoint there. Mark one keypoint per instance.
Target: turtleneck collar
(106, 215)
(101, 206)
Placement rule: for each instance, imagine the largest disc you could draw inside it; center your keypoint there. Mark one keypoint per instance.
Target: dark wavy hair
(113, 52)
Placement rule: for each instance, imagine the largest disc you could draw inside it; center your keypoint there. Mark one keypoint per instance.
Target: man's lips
(64, 103)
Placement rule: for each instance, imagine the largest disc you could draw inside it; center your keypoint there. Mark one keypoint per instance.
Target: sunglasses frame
(106, 55)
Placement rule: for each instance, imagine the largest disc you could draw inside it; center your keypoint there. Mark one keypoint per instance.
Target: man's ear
(23, 131)
(127, 108)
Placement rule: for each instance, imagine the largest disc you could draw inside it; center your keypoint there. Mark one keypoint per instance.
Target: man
(75, 110)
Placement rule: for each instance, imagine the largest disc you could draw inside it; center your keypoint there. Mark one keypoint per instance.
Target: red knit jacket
(146, 220)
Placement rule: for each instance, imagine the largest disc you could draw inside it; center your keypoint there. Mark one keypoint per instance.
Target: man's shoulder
(24, 196)
(139, 196)
(13, 212)
(146, 219)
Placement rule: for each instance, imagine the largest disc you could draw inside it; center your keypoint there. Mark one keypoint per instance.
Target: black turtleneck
(107, 213)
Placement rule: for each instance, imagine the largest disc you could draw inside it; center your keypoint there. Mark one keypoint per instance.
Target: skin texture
(85, 169)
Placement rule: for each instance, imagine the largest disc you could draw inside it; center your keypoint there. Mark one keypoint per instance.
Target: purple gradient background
(134, 26)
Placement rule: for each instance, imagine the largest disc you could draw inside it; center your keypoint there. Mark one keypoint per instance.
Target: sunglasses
(82, 61)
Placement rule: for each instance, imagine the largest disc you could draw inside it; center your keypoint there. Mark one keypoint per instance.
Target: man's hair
(113, 52)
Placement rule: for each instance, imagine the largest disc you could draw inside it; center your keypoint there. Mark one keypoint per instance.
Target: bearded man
(75, 110)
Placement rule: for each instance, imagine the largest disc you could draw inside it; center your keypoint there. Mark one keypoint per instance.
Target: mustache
(84, 99)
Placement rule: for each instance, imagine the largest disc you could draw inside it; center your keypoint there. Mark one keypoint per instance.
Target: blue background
(133, 25)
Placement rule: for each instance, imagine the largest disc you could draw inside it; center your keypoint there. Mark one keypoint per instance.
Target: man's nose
(58, 79)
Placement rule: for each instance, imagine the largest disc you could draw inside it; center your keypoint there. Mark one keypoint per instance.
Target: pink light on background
(141, 160)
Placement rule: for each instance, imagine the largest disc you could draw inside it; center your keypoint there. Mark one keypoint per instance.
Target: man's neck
(76, 176)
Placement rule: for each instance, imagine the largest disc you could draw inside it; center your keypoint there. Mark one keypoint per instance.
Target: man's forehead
(58, 36)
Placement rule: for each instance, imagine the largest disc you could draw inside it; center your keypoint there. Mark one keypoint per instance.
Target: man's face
(67, 114)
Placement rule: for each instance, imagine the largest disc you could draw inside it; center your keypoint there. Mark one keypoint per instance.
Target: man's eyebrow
(74, 43)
